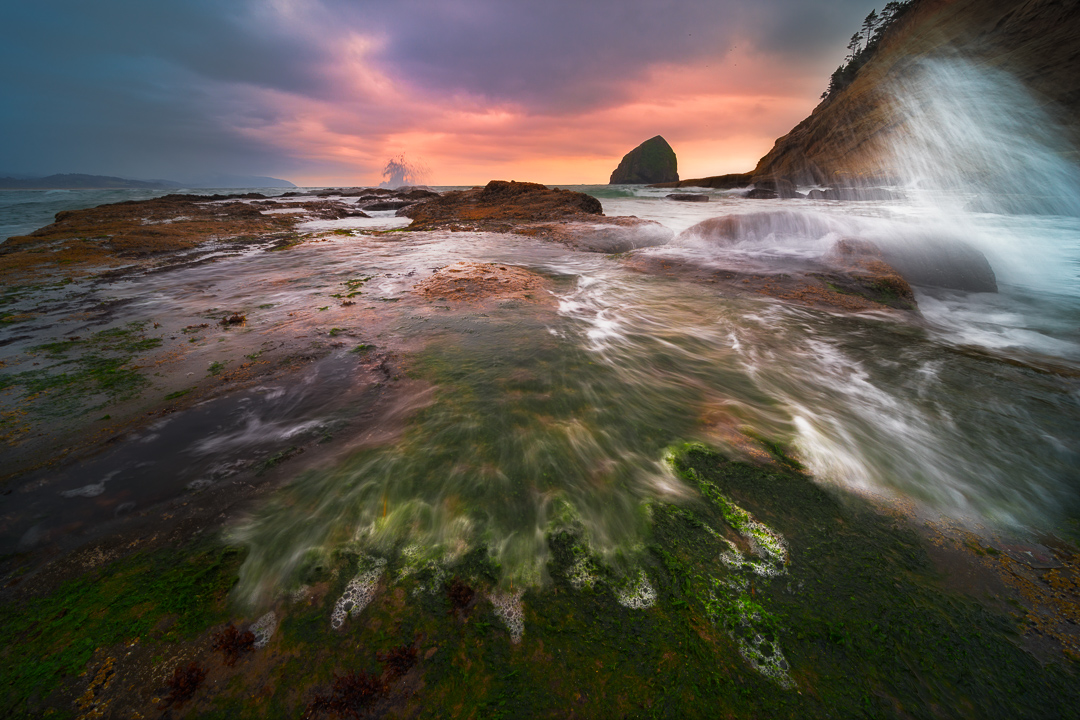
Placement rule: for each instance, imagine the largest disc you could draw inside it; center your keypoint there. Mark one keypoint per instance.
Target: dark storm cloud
(566, 54)
(136, 87)
(156, 88)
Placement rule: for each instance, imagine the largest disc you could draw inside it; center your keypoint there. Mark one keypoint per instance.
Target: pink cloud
(720, 114)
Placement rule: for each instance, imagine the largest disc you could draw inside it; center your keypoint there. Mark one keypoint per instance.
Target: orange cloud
(720, 116)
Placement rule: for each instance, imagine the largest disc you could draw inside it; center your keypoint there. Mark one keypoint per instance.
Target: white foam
(509, 609)
(637, 595)
(264, 628)
(358, 594)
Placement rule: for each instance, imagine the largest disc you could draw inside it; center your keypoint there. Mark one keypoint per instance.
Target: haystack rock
(653, 161)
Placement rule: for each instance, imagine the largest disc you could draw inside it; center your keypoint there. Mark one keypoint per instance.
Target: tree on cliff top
(864, 44)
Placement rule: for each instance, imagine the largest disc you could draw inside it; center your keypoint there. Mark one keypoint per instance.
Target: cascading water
(971, 134)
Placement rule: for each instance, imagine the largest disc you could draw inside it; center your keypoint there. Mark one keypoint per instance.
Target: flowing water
(561, 411)
(549, 416)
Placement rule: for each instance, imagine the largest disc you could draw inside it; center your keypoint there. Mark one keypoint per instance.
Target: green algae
(87, 373)
(865, 627)
(277, 458)
(178, 393)
(159, 598)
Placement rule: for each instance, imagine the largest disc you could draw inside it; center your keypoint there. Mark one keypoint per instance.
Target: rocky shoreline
(91, 378)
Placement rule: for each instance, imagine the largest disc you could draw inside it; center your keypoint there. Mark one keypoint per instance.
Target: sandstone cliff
(847, 137)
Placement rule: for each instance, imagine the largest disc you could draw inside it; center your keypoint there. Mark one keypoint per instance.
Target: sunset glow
(325, 92)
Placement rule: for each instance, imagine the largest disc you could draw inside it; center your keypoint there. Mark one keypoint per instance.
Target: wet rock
(499, 204)
(388, 205)
(473, 281)
(855, 194)
(945, 263)
(613, 235)
(688, 197)
(653, 161)
(770, 188)
(417, 193)
(331, 210)
(865, 272)
(135, 232)
(853, 276)
(919, 259)
(725, 230)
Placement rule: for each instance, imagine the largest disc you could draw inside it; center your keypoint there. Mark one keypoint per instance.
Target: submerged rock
(653, 161)
(613, 235)
(688, 197)
(473, 281)
(920, 259)
(855, 193)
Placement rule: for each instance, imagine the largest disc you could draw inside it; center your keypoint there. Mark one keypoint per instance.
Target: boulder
(653, 161)
(500, 203)
(951, 264)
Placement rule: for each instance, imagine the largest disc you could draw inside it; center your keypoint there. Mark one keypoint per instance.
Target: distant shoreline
(83, 181)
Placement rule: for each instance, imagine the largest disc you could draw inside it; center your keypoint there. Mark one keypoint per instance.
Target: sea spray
(972, 134)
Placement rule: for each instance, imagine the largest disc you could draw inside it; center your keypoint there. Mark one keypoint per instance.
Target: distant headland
(81, 181)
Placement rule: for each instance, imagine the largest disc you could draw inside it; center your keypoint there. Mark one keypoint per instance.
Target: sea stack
(653, 161)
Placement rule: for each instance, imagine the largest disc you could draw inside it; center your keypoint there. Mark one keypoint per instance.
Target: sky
(325, 92)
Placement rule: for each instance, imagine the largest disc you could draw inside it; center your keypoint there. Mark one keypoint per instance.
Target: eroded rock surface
(140, 234)
(500, 205)
(474, 281)
(611, 235)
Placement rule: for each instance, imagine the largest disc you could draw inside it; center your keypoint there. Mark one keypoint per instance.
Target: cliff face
(848, 137)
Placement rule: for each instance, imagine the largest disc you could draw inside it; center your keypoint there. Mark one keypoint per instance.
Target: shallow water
(547, 418)
(560, 412)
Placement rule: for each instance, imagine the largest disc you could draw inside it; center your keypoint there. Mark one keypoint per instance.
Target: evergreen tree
(864, 43)
(854, 47)
(868, 26)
